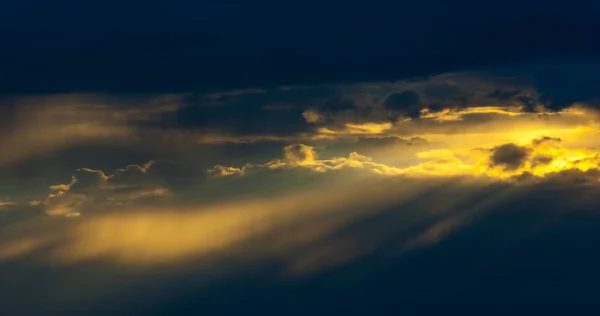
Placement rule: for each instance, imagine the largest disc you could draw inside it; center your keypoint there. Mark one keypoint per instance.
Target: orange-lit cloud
(311, 116)
(539, 157)
(359, 129)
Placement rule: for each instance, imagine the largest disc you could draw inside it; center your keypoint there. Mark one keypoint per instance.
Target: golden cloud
(539, 157)
(370, 128)
(312, 117)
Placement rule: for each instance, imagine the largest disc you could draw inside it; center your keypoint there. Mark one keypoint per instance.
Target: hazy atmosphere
(352, 158)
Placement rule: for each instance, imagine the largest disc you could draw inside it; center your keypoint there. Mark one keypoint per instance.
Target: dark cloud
(504, 95)
(242, 120)
(288, 111)
(574, 177)
(442, 91)
(274, 111)
(232, 45)
(509, 156)
(563, 83)
(557, 83)
(436, 107)
(337, 103)
(408, 103)
(444, 95)
(86, 180)
(541, 160)
(545, 140)
(529, 104)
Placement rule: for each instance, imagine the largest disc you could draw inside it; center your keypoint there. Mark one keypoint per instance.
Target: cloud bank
(280, 189)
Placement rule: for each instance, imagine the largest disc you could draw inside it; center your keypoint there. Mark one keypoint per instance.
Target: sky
(314, 158)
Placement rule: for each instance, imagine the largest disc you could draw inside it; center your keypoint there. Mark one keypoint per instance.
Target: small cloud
(60, 187)
(312, 117)
(545, 140)
(64, 204)
(349, 129)
(509, 156)
(6, 204)
(300, 154)
(223, 171)
(541, 160)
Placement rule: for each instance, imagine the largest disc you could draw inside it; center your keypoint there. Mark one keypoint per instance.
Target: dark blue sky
(158, 46)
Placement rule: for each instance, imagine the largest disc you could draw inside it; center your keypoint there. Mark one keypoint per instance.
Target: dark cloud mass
(188, 45)
(406, 101)
(559, 89)
(504, 95)
(509, 156)
(250, 116)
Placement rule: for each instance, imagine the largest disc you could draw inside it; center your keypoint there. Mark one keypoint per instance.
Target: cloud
(504, 95)
(303, 156)
(546, 140)
(41, 124)
(562, 84)
(222, 171)
(407, 102)
(441, 104)
(449, 183)
(438, 162)
(299, 154)
(306, 113)
(274, 112)
(311, 116)
(91, 190)
(541, 158)
(86, 179)
(4, 204)
(34, 203)
(509, 156)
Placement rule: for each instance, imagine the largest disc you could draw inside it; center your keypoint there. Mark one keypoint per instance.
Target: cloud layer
(432, 186)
